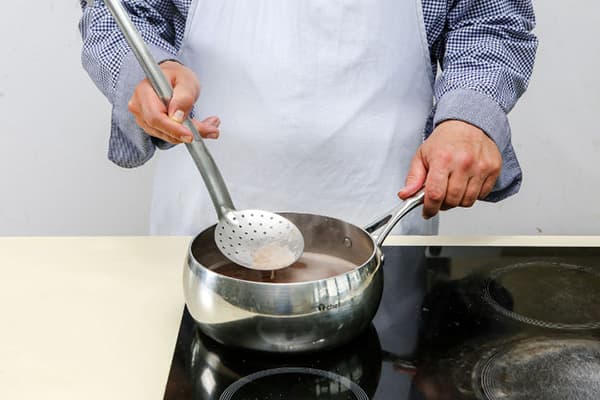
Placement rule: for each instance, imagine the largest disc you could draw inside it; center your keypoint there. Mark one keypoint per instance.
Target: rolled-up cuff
(129, 146)
(483, 112)
(476, 109)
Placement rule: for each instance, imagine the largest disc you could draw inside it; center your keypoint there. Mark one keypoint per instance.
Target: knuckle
(465, 160)
(484, 165)
(185, 98)
(445, 157)
(435, 194)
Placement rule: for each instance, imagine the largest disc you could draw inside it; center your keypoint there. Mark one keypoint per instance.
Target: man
(324, 104)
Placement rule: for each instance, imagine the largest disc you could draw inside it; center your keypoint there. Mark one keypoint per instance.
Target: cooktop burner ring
(230, 392)
(496, 275)
(544, 368)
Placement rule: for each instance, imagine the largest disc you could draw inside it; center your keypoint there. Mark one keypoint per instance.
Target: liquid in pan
(310, 267)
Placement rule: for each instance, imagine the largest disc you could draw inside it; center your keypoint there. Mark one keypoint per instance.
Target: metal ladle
(255, 239)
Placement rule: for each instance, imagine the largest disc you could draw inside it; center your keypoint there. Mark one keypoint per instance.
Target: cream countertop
(97, 318)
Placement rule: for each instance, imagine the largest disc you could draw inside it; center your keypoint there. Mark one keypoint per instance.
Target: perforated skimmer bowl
(251, 238)
(259, 239)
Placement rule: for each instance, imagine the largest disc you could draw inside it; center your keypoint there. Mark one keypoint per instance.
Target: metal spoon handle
(202, 158)
(388, 221)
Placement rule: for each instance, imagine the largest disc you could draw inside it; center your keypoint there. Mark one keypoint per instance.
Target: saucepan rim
(383, 224)
(196, 265)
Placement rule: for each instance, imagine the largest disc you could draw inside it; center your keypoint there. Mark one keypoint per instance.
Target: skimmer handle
(204, 162)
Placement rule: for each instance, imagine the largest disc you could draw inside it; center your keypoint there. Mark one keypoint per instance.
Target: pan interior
(331, 247)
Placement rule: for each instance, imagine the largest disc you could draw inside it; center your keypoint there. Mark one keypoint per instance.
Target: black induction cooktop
(455, 322)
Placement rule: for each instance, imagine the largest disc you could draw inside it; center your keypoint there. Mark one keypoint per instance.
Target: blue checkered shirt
(485, 48)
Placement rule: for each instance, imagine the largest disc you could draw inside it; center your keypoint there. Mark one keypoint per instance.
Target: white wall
(55, 179)
(54, 175)
(555, 133)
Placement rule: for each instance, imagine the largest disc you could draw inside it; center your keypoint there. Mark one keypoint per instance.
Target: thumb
(186, 89)
(415, 179)
(181, 103)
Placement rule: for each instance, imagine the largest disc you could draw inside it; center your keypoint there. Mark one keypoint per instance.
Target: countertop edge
(392, 240)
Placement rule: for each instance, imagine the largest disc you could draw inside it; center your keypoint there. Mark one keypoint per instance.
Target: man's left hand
(458, 164)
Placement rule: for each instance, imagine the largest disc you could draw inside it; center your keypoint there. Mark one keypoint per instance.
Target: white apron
(323, 104)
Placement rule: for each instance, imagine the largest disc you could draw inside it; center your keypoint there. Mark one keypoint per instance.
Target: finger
(207, 129)
(457, 186)
(154, 115)
(160, 135)
(472, 192)
(213, 120)
(415, 177)
(143, 93)
(147, 108)
(185, 93)
(488, 186)
(436, 185)
(157, 133)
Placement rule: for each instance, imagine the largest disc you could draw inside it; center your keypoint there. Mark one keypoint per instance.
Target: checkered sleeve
(160, 23)
(113, 68)
(486, 51)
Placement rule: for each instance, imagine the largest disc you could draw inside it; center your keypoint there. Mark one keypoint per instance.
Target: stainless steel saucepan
(324, 300)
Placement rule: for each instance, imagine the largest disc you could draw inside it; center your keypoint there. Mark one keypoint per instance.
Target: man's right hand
(163, 122)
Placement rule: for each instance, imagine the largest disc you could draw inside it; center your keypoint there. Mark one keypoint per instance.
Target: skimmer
(255, 239)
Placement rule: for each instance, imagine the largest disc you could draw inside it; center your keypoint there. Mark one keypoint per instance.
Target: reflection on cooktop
(294, 383)
(543, 368)
(455, 323)
(535, 299)
(343, 373)
(204, 369)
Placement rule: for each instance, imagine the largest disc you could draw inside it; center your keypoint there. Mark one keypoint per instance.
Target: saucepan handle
(381, 227)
